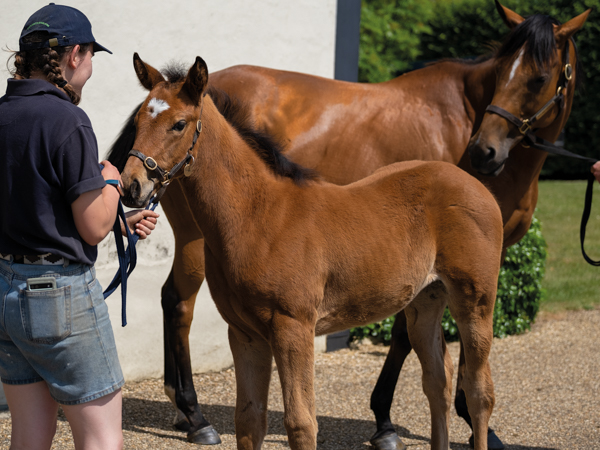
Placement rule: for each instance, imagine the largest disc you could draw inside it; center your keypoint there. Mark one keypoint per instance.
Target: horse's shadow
(352, 434)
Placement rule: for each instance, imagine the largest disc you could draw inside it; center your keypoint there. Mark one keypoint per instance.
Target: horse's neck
(230, 185)
(479, 85)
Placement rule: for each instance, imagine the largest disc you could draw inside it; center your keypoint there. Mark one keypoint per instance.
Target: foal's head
(531, 68)
(168, 125)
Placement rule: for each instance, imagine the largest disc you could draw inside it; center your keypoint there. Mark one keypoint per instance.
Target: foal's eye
(179, 126)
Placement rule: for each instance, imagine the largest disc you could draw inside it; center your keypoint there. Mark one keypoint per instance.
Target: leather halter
(165, 177)
(525, 125)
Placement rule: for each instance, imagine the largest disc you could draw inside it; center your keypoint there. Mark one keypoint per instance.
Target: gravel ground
(546, 381)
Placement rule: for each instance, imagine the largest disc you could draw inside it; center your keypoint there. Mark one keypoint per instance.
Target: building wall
(297, 36)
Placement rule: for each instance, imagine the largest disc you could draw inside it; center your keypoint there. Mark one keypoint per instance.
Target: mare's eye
(179, 126)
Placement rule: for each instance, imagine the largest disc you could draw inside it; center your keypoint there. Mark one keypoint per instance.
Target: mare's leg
(253, 360)
(178, 300)
(293, 347)
(423, 316)
(385, 438)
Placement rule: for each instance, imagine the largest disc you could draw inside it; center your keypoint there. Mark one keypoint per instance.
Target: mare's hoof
(389, 441)
(494, 442)
(182, 425)
(205, 436)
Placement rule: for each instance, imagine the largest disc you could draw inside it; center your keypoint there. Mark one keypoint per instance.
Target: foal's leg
(178, 300)
(423, 317)
(475, 324)
(385, 438)
(253, 366)
(293, 347)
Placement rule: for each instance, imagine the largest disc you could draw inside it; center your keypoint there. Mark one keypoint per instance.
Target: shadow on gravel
(334, 433)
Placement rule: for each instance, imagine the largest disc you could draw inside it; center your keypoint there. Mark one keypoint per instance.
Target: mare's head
(535, 81)
(168, 124)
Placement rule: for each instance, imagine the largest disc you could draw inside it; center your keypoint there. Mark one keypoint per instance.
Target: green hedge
(518, 297)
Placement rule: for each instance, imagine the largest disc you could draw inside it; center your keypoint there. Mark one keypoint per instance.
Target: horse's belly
(363, 307)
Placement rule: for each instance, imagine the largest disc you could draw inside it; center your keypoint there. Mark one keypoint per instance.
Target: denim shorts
(62, 336)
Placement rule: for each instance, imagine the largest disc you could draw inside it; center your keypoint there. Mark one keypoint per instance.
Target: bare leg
(97, 425)
(293, 348)
(253, 366)
(33, 412)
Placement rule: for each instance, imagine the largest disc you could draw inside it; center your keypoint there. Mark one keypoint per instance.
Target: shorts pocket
(47, 314)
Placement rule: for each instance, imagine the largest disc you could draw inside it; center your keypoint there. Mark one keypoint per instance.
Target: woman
(56, 341)
(596, 171)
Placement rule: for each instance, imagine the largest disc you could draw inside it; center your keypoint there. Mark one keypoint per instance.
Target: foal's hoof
(389, 441)
(205, 436)
(494, 442)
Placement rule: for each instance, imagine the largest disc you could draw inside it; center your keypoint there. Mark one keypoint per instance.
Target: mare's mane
(238, 116)
(536, 34)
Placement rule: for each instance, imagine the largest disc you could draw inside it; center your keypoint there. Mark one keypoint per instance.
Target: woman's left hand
(140, 221)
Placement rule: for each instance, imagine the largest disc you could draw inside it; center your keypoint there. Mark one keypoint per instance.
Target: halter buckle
(150, 163)
(525, 127)
(199, 126)
(568, 71)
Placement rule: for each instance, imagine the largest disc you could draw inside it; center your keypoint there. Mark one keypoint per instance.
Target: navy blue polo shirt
(48, 158)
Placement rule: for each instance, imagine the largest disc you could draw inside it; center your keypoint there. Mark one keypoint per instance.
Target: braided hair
(46, 60)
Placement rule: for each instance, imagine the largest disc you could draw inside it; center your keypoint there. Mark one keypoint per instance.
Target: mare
(348, 130)
(289, 256)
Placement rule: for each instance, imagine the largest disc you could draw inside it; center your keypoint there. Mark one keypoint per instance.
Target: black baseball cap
(65, 26)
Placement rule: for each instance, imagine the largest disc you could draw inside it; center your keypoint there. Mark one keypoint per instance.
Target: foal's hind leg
(423, 316)
(178, 300)
(475, 324)
(385, 438)
(253, 366)
(460, 404)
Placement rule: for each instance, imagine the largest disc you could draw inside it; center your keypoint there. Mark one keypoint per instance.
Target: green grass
(570, 282)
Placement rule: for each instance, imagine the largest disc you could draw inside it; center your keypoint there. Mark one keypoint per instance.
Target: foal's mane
(237, 115)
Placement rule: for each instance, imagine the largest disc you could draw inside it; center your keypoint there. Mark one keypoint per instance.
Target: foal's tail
(119, 151)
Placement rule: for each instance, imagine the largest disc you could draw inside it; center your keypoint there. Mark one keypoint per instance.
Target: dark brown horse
(289, 256)
(347, 130)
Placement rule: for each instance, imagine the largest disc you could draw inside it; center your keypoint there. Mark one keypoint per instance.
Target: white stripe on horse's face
(515, 65)
(156, 106)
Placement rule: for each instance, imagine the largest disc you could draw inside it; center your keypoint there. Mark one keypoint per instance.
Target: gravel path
(547, 386)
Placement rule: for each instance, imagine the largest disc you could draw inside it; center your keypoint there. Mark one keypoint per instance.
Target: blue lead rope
(127, 256)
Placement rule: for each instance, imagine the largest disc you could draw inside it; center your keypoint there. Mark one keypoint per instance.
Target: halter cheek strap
(165, 177)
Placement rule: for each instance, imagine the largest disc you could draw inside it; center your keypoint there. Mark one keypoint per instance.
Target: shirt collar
(33, 87)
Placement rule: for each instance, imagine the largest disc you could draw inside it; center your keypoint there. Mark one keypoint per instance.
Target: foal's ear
(510, 18)
(566, 30)
(148, 75)
(196, 80)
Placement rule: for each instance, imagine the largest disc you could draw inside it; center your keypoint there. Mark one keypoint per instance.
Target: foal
(289, 256)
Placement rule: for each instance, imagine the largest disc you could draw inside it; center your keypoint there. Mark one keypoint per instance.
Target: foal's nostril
(491, 152)
(135, 189)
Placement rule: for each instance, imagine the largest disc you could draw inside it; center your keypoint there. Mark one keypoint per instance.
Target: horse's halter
(525, 125)
(165, 177)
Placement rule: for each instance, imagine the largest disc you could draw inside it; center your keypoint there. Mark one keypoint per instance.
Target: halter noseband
(165, 177)
(525, 125)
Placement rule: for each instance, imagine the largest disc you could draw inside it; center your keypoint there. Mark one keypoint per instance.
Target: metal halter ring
(525, 127)
(150, 163)
(568, 72)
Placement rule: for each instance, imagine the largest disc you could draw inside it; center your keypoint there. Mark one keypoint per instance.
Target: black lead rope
(541, 144)
(127, 256)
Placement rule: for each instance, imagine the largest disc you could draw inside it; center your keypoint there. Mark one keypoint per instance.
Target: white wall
(293, 35)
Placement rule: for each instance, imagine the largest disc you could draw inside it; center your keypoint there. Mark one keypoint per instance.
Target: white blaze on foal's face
(156, 106)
